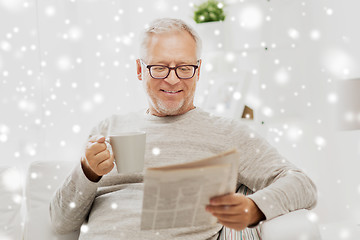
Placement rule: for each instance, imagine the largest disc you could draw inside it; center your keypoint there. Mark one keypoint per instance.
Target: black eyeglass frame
(171, 68)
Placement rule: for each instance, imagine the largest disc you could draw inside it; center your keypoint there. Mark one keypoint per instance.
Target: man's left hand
(235, 211)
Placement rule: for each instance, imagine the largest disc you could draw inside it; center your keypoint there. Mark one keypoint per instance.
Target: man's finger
(229, 199)
(226, 209)
(104, 155)
(96, 148)
(106, 166)
(97, 138)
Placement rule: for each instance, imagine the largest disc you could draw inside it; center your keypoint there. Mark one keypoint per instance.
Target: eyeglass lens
(186, 71)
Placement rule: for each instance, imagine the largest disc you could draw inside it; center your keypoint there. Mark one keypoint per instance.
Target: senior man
(169, 68)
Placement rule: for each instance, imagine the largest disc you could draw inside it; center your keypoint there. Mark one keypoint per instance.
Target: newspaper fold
(176, 195)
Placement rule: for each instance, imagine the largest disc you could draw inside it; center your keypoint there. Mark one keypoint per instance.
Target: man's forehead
(170, 36)
(171, 32)
(174, 47)
(177, 61)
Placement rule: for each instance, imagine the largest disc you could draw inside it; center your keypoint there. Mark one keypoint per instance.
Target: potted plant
(209, 11)
(210, 17)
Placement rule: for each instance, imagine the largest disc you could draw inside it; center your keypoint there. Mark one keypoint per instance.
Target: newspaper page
(176, 195)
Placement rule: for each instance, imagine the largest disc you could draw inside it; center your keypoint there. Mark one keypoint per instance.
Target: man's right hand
(97, 161)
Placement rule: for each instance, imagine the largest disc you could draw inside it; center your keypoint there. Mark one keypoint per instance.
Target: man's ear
(198, 70)
(138, 69)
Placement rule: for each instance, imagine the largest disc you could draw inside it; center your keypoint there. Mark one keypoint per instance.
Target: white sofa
(10, 204)
(29, 219)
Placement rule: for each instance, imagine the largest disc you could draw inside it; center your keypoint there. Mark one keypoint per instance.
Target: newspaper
(176, 195)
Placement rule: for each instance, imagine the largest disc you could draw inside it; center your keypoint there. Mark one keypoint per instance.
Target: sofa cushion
(43, 179)
(11, 200)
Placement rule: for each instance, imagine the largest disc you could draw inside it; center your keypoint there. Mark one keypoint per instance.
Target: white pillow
(43, 179)
(10, 203)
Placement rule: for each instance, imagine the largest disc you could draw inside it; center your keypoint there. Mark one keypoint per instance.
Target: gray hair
(165, 25)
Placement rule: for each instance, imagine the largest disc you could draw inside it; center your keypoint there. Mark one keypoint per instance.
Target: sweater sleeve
(72, 202)
(279, 187)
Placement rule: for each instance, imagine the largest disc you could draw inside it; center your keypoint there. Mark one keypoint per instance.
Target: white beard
(164, 108)
(167, 109)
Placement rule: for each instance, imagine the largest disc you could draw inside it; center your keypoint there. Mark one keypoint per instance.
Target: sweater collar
(151, 117)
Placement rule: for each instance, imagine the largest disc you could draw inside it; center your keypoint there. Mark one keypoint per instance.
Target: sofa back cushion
(43, 179)
(10, 203)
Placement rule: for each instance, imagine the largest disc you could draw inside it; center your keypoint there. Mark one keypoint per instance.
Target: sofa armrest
(43, 179)
(10, 203)
(296, 225)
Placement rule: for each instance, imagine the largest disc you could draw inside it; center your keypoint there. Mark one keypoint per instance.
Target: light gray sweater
(111, 208)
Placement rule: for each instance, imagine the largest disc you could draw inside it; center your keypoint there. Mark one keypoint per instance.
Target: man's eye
(159, 68)
(185, 68)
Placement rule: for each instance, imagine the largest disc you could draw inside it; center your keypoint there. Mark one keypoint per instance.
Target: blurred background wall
(65, 65)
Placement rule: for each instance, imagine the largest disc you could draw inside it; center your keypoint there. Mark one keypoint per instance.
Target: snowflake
(75, 33)
(17, 198)
(230, 57)
(237, 95)
(267, 111)
(293, 33)
(11, 179)
(5, 46)
(320, 141)
(332, 98)
(251, 17)
(64, 63)
(4, 131)
(220, 107)
(338, 62)
(33, 175)
(84, 228)
(76, 128)
(344, 233)
(30, 149)
(281, 76)
(329, 11)
(98, 98)
(315, 35)
(50, 11)
(156, 151)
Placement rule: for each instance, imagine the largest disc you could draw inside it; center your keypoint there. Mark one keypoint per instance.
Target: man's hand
(97, 161)
(235, 211)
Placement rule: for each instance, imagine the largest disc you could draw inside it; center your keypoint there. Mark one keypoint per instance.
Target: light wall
(65, 65)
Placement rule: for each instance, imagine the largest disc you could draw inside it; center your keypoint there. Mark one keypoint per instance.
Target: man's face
(169, 96)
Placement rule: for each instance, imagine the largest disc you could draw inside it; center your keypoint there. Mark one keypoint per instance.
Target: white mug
(129, 150)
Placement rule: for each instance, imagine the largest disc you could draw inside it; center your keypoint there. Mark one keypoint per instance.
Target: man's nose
(172, 78)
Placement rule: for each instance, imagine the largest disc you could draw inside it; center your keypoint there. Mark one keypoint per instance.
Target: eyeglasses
(162, 72)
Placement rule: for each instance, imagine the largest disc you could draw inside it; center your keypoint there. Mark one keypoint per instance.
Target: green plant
(209, 11)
